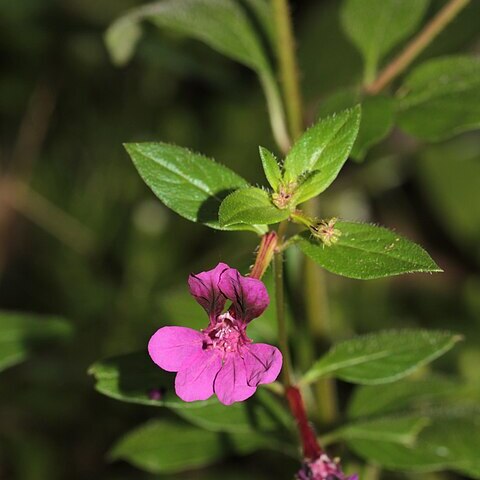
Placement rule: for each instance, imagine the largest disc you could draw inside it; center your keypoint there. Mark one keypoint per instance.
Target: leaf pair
(194, 186)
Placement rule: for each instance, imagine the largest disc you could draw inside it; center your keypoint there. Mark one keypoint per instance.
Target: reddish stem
(311, 448)
(264, 254)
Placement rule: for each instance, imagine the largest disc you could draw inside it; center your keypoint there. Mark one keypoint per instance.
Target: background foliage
(87, 248)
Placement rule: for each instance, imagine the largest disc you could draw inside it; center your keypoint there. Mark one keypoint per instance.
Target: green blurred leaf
(449, 174)
(131, 378)
(122, 38)
(377, 117)
(190, 184)
(161, 446)
(377, 122)
(449, 442)
(263, 412)
(23, 333)
(383, 357)
(323, 147)
(366, 251)
(221, 24)
(408, 395)
(250, 206)
(441, 98)
(271, 168)
(376, 26)
(401, 429)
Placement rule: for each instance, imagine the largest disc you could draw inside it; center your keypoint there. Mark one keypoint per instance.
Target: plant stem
(288, 66)
(276, 112)
(280, 307)
(416, 45)
(372, 472)
(311, 448)
(317, 313)
(315, 287)
(265, 254)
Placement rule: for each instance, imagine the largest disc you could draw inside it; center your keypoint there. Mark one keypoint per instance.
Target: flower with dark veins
(323, 468)
(220, 359)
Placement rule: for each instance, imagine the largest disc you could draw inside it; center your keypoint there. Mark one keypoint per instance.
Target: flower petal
(204, 287)
(194, 380)
(231, 381)
(249, 295)
(170, 346)
(262, 362)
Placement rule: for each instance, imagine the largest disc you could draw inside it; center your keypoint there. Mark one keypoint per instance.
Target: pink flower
(323, 468)
(220, 359)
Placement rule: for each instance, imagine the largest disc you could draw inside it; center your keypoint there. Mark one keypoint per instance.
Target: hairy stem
(280, 308)
(311, 448)
(265, 254)
(292, 96)
(416, 46)
(288, 66)
(317, 313)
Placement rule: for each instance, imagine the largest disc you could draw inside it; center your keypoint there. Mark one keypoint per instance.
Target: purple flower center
(226, 334)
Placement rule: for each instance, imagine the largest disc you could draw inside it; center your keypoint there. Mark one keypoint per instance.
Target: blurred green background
(81, 236)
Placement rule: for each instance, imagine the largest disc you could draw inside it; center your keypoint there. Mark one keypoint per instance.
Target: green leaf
(21, 334)
(161, 446)
(131, 378)
(377, 117)
(408, 395)
(441, 98)
(449, 442)
(449, 176)
(250, 206)
(366, 251)
(190, 184)
(261, 413)
(271, 168)
(401, 429)
(122, 38)
(376, 26)
(381, 358)
(377, 122)
(221, 24)
(325, 147)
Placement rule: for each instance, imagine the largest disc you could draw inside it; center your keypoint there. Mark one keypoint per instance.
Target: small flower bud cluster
(326, 231)
(282, 198)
